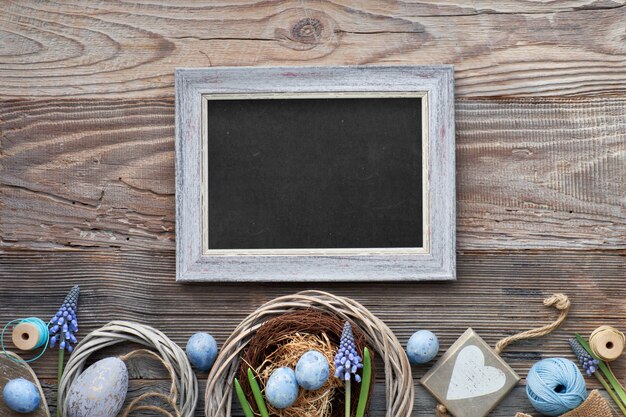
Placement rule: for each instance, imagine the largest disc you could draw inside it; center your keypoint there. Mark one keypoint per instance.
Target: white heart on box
(471, 377)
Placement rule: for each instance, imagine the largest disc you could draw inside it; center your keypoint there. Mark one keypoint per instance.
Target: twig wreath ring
(183, 394)
(399, 382)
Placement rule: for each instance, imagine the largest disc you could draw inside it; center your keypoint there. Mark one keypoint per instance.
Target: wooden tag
(9, 369)
(470, 379)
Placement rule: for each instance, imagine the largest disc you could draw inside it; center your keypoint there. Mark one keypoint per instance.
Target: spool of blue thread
(28, 334)
(555, 386)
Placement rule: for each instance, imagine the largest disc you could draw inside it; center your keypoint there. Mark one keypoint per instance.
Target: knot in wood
(307, 30)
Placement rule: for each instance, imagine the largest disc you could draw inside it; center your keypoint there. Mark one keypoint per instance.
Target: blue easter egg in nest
(21, 396)
(312, 370)
(422, 347)
(202, 351)
(281, 389)
(100, 390)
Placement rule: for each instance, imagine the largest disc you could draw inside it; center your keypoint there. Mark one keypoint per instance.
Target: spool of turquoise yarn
(555, 386)
(42, 341)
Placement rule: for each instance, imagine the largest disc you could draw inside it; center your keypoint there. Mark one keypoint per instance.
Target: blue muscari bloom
(64, 323)
(588, 363)
(347, 360)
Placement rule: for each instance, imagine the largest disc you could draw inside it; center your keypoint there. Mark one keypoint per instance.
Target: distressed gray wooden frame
(435, 261)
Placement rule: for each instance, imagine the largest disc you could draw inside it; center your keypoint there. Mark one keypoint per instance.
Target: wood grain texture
(497, 294)
(130, 49)
(531, 173)
(424, 405)
(87, 183)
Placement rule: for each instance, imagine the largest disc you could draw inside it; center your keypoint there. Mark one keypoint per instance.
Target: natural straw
(398, 380)
(281, 341)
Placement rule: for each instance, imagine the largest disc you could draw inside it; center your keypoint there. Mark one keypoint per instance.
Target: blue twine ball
(555, 386)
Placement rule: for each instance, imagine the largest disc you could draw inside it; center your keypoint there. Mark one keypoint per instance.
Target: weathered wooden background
(87, 160)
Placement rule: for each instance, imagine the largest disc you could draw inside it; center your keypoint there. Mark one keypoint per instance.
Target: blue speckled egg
(281, 389)
(422, 347)
(202, 350)
(100, 390)
(21, 396)
(312, 370)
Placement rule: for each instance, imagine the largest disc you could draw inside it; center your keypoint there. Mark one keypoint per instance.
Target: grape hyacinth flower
(589, 364)
(65, 323)
(64, 327)
(347, 362)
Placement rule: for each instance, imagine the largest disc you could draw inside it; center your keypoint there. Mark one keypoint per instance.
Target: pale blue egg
(202, 350)
(21, 396)
(100, 390)
(312, 370)
(281, 389)
(422, 347)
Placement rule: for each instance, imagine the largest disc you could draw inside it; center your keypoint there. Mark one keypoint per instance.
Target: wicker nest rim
(399, 389)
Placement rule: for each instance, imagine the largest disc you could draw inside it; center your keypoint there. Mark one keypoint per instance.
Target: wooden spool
(607, 343)
(25, 336)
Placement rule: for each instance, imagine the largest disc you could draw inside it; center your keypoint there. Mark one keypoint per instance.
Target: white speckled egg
(282, 388)
(100, 390)
(312, 370)
(422, 347)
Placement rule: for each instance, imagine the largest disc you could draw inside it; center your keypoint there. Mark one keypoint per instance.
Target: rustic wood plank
(541, 173)
(104, 171)
(130, 49)
(497, 294)
(531, 173)
(424, 405)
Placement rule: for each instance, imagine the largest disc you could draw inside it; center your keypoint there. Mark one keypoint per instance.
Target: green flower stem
(348, 389)
(608, 389)
(258, 397)
(365, 383)
(606, 371)
(59, 375)
(245, 405)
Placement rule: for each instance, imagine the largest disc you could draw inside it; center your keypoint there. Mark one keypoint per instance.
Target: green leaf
(258, 397)
(605, 370)
(608, 389)
(365, 383)
(245, 405)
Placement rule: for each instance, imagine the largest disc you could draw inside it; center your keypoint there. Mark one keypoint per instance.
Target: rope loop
(560, 302)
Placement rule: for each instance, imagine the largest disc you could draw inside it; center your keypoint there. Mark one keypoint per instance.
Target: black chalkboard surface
(314, 173)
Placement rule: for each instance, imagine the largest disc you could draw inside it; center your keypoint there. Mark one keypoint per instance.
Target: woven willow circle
(185, 385)
(398, 379)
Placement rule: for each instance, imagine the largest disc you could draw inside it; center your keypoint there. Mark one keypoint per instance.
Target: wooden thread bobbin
(607, 343)
(25, 336)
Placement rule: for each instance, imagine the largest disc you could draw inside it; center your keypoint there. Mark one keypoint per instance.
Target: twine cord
(169, 399)
(559, 301)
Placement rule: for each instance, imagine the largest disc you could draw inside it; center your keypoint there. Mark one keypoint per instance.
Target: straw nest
(281, 341)
(399, 390)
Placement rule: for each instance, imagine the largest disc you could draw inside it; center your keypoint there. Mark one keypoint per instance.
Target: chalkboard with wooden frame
(315, 174)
